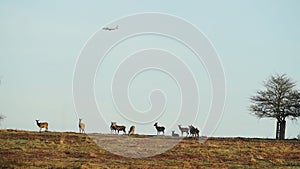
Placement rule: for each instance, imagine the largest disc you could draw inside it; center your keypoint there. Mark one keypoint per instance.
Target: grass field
(25, 149)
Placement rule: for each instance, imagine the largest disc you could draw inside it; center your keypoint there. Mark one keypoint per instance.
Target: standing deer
(112, 128)
(81, 126)
(118, 128)
(184, 130)
(159, 128)
(131, 130)
(194, 131)
(42, 125)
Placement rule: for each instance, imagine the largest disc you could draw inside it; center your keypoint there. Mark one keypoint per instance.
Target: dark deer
(175, 134)
(159, 128)
(194, 131)
(118, 128)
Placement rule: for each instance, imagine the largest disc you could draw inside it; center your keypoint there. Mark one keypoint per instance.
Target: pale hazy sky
(41, 40)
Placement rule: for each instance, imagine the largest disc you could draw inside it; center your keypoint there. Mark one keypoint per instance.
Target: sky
(42, 40)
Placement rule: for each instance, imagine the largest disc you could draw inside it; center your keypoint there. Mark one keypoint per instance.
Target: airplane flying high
(111, 29)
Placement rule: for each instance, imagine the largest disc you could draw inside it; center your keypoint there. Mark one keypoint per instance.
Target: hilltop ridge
(28, 149)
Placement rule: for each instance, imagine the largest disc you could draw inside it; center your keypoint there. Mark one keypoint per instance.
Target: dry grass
(24, 149)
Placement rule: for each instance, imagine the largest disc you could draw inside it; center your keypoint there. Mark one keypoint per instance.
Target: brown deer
(131, 130)
(112, 128)
(81, 126)
(42, 125)
(159, 128)
(118, 128)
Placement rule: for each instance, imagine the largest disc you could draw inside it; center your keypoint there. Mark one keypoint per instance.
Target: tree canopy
(279, 100)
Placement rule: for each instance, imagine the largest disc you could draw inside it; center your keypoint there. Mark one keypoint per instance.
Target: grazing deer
(184, 130)
(42, 125)
(159, 128)
(194, 131)
(175, 134)
(131, 130)
(118, 128)
(81, 126)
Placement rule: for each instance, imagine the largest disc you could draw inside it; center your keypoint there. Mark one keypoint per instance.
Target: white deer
(81, 126)
(184, 130)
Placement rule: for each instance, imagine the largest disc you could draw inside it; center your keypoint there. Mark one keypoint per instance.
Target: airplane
(111, 29)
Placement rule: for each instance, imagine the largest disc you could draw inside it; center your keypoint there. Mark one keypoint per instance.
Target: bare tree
(279, 100)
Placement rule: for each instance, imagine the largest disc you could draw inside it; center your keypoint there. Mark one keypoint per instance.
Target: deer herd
(190, 130)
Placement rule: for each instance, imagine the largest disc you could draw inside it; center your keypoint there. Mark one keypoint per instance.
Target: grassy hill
(25, 149)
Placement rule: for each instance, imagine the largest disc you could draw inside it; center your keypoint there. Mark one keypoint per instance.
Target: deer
(184, 130)
(112, 128)
(118, 128)
(175, 134)
(131, 130)
(194, 131)
(159, 128)
(81, 126)
(42, 125)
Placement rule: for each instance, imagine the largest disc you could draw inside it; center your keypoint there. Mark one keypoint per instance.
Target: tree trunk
(282, 130)
(277, 130)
